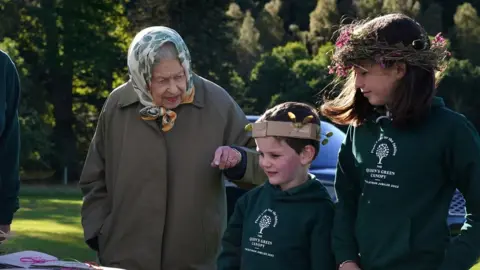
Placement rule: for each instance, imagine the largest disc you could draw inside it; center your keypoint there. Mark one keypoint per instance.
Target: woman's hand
(226, 157)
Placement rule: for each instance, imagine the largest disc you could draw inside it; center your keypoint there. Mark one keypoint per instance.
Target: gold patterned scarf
(141, 56)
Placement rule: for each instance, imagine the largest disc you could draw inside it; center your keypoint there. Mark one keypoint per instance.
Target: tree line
(71, 54)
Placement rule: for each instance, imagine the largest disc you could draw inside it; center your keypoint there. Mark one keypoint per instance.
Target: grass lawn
(49, 221)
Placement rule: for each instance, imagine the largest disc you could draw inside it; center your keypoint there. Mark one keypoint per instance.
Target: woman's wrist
(238, 153)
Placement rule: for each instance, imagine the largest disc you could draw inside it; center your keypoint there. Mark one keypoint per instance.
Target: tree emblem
(265, 222)
(382, 152)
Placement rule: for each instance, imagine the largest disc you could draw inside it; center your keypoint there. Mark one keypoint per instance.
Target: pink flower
(331, 70)
(380, 60)
(439, 40)
(340, 70)
(343, 38)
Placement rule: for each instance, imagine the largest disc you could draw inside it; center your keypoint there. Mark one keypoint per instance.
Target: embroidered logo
(268, 218)
(259, 243)
(382, 152)
(384, 147)
(380, 175)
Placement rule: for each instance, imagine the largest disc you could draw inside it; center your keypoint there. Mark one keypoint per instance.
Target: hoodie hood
(382, 113)
(438, 102)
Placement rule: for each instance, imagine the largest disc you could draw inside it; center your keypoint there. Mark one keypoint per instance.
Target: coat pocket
(382, 241)
(104, 234)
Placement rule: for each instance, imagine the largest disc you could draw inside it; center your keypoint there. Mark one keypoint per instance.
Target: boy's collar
(296, 189)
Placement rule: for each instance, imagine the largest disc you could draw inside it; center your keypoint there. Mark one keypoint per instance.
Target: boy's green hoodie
(9, 139)
(394, 188)
(275, 229)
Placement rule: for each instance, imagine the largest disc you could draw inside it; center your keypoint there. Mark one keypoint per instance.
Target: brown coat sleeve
(238, 136)
(92, 184)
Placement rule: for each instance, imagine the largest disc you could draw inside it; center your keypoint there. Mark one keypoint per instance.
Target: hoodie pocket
(382, 240)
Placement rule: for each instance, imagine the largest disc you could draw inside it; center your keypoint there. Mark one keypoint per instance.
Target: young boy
(286, 222)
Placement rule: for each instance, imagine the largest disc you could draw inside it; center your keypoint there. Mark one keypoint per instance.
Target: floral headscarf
(141, 57)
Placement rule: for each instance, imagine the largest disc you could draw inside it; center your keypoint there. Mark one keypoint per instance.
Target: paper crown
(294, 129)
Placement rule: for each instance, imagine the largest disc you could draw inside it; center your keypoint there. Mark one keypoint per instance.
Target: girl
(404, 154)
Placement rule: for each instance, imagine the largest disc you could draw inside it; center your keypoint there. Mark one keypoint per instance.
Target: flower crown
(352, 46)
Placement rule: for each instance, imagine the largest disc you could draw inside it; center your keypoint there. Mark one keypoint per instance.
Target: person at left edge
(153, 192)
(9, 142)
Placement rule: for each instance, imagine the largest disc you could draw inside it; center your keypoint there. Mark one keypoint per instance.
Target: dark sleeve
(9, 140)
(237, 172)
(320, 249)
(238, 136)
(463, 159)
(231, 250)
(347, 191)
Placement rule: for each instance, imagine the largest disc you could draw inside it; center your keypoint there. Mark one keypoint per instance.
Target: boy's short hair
(301, 111)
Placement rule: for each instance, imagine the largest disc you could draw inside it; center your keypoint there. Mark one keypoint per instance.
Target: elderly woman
(152, 180)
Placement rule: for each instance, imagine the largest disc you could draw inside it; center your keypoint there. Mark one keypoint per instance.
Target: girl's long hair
(414, 93)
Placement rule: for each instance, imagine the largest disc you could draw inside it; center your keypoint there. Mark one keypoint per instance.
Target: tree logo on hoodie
(382, 152)
(384, 147)
(266, 219)
(265, 222)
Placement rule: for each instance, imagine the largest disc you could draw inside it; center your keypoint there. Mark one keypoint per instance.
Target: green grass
(49, 221)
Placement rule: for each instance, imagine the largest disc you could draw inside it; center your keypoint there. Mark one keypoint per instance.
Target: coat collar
(129, 96)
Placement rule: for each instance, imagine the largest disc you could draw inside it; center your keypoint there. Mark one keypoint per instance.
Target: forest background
(71, 54)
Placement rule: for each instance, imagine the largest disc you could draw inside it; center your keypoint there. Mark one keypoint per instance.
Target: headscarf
(141, 57)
